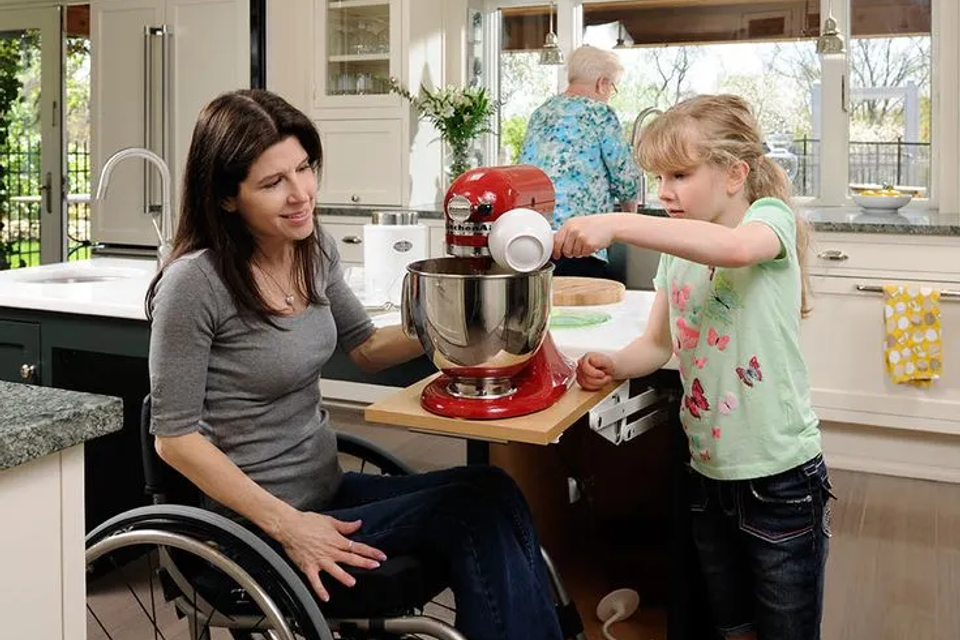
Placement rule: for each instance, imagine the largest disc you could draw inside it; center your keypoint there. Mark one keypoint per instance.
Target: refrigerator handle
(147, 111)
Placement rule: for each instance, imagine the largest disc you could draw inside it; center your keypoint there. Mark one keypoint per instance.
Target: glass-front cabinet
(358, 44)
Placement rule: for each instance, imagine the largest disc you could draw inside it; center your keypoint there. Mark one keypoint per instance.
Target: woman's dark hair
(231, 132)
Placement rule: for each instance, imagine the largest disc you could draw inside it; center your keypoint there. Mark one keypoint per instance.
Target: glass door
(360, 47)
(31, 165)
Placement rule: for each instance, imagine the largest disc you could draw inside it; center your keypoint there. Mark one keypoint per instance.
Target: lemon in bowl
(883, 200)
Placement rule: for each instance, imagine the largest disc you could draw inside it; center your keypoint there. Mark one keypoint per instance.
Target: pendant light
(551, 53)
(830, 42)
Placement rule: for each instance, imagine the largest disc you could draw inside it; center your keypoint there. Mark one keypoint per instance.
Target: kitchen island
(42, 435)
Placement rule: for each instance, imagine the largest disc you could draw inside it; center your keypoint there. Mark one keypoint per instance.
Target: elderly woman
(576, 138)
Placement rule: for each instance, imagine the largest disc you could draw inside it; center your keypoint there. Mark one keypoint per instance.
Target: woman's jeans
(763, 548)
(476, 522)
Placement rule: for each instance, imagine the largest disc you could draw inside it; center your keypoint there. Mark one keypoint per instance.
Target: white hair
(587, 64)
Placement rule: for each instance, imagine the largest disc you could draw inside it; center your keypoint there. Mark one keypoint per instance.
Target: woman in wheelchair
(246, 311)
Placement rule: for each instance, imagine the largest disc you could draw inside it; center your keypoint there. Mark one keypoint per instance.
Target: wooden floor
(893, 571)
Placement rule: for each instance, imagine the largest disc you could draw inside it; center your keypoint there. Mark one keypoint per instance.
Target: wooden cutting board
(569, 291)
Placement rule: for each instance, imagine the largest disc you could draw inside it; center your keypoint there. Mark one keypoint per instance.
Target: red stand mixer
(484, 326)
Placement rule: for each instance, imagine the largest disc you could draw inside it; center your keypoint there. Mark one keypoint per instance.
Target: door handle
(46, 189)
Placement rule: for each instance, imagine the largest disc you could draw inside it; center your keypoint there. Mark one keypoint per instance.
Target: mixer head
(480, 196)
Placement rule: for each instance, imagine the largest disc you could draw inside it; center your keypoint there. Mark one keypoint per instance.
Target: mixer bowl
(475, 319)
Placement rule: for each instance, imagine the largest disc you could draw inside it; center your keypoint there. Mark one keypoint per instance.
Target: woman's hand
(585, 235)
(595, 371)
(316, 543)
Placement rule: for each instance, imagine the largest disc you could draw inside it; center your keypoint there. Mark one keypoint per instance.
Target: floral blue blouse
(579, 143)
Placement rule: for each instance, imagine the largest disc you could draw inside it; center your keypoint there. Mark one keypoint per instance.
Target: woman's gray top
(249, 388)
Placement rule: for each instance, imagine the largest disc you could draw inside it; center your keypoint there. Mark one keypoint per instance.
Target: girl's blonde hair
(720, 130)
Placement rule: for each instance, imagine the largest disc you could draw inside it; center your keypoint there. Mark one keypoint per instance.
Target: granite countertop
(916, 222)
(37, 421)
(837, 219)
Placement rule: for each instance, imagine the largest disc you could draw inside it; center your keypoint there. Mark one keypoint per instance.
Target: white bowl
(882, 204)
(521, 240)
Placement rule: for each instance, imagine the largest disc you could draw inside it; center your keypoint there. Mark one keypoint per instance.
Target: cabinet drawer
(843, 347)
(349, 239)
(918, 257)
(19, 351)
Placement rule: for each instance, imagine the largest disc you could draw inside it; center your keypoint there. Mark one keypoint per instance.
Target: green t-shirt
(736, 332)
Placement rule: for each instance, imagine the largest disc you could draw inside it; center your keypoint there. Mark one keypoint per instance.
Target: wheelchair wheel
(176, 571)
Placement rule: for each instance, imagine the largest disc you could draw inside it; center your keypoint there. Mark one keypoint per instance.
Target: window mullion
(835, 120)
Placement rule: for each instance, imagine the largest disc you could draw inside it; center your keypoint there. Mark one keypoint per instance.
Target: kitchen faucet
(634, 141)
(165, 228)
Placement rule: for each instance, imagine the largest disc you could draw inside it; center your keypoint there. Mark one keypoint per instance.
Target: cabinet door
(19, 348)
(361, 162)
(358, 49)
(843, 346)
(118, 110)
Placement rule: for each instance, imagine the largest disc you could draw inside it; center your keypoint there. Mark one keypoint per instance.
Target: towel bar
(875, 288)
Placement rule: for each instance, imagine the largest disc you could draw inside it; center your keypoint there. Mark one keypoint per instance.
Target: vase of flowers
(460, 114)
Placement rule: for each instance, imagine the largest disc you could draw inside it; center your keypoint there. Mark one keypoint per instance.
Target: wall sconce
(830, 42)
(551, 53)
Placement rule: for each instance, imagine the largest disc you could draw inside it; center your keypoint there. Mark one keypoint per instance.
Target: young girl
(730, 295)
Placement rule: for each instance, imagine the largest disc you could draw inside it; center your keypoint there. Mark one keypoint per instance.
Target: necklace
(287, 297)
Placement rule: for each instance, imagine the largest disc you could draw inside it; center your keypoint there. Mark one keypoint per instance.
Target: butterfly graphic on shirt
(695, 401)
(728, 403)
(679, 295)
(723, 301)
(750, 374)
(717, 340)
(687, 336)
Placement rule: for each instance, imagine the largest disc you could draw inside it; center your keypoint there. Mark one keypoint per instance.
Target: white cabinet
(155, 64)
(43, 580)
(360, 162)
(870, 423)
(376, 151)
(843, 346)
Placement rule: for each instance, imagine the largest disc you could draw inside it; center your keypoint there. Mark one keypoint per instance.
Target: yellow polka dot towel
(912, 349)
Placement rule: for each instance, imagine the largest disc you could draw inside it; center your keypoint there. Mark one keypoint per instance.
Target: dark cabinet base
(112, 467)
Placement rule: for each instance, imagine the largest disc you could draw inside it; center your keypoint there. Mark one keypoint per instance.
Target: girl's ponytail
(767, 179)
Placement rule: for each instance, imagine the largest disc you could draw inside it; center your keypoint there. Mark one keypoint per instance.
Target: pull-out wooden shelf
(403, 409)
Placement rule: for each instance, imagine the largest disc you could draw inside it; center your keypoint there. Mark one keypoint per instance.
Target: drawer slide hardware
(620, 418)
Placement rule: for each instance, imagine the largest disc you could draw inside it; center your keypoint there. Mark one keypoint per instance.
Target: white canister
(391, 241)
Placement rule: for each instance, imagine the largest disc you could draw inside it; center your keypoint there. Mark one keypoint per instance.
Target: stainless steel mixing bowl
(475, 319)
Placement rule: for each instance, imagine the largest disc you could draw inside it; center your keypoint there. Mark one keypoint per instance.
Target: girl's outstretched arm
(694, 240)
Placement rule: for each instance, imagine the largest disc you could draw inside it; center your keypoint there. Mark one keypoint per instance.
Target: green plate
(578, 319)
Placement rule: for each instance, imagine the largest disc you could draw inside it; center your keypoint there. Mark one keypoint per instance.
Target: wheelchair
(182, 565)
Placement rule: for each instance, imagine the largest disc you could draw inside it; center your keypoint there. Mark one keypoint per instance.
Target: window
(763, 51)
(890, 96)
(524, 83)
(869, 117)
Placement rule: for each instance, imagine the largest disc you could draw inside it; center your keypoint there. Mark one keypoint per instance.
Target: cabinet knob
(835, 255)
(354, 198)
(352, 239)
(27, 371)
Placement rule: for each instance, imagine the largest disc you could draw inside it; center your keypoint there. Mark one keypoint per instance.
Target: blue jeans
(763, 549)
(473, 520)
